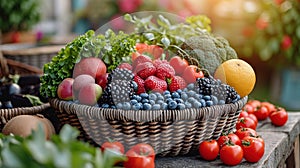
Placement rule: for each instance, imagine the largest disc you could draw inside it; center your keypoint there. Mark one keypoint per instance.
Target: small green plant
(18, 15)
(276, 34)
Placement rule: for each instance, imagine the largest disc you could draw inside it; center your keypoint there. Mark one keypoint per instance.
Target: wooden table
(281, 150)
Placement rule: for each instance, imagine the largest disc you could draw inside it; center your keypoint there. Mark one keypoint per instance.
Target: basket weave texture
(35, 56)
(169, 132)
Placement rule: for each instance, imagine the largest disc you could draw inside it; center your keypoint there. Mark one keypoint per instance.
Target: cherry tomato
(243, 132)
(243, 114)
(209, 150)
(248, 108)
(279, 117)
(258, 137)
(254, 118)
(245, 122)
(223, 139)
(115, 146)
(262, 113)
(271, 107)
(253, 149)
(254, 103)
(140, 155)
(231, 154)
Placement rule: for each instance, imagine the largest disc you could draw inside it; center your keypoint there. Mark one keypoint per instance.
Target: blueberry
(175, 95)
(160, 97)
(126, 106)
(221, 102)
(197, 104)
(144, 95)
(209, 103)
(200, 96)
(160, 101)
(191, 86)
(172, 105)
(191, 99)
(191, 93)
(152, 96)
(152, 102)
(105, 105)
(188, 104)
(206, 97)
(179, 91)
(156, 107)
(184, 96)
(164, 106)
(133, 101)
(180, 106)
(136, 106)
(168, 96)
(166, 92)
(185, 89)
(119, 106)
(214, 100)
(203, 102)
(135, 85)
(138, 98)
(113, 107)
(178, 100)
(145, 100)
(168, 100)
(147, 106)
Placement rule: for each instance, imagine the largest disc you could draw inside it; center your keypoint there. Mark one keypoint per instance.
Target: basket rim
(33, 50)
(93, 112)
(24, 110)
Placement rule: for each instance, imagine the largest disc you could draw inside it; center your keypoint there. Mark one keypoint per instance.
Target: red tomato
(245, 122)
(140, 155)
(178, 64)
(209, 150)
(243, 132)
(248, 108)
(243, 114)
(279, 117)
(115, 146)
(254, 103)
(191, 73)
(262, 113)
(271, 107)
(253, 149)
(231, 154)
(233, 138)
(254, 118)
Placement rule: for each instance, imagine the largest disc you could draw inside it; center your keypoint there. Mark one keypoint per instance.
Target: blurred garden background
(265, 33)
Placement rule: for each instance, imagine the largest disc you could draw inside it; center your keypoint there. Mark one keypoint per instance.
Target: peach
(89, 94)
(64, 90)
(81, 81)
(91, 66)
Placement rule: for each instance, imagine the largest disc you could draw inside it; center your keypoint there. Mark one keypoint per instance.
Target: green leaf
(68, 133)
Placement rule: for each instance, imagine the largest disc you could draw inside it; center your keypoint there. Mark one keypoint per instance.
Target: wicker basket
(30, 54)
(7, 67)
(170, 132)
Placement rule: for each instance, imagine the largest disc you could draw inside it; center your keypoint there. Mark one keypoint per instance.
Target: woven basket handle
(3, 66)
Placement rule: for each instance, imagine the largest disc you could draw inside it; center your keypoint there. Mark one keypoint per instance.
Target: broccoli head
(208, 50)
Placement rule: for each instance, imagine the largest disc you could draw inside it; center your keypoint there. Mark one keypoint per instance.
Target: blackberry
(214, 87)
(120, 74)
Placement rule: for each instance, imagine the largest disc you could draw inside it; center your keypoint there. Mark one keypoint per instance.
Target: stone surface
(278, 140)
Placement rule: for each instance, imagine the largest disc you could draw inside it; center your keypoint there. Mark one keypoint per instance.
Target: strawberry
(140, 59)
(153, 83)
(145, 69)
(125, 65)
(140, 82)
(178, 64)
(176, 82)
(165, 70)
(157, 62)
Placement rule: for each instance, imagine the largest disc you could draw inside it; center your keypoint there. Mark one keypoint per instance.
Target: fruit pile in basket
(20, 91)
(155, 67)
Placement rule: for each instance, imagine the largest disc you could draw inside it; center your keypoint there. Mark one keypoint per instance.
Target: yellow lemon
(238, 74)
